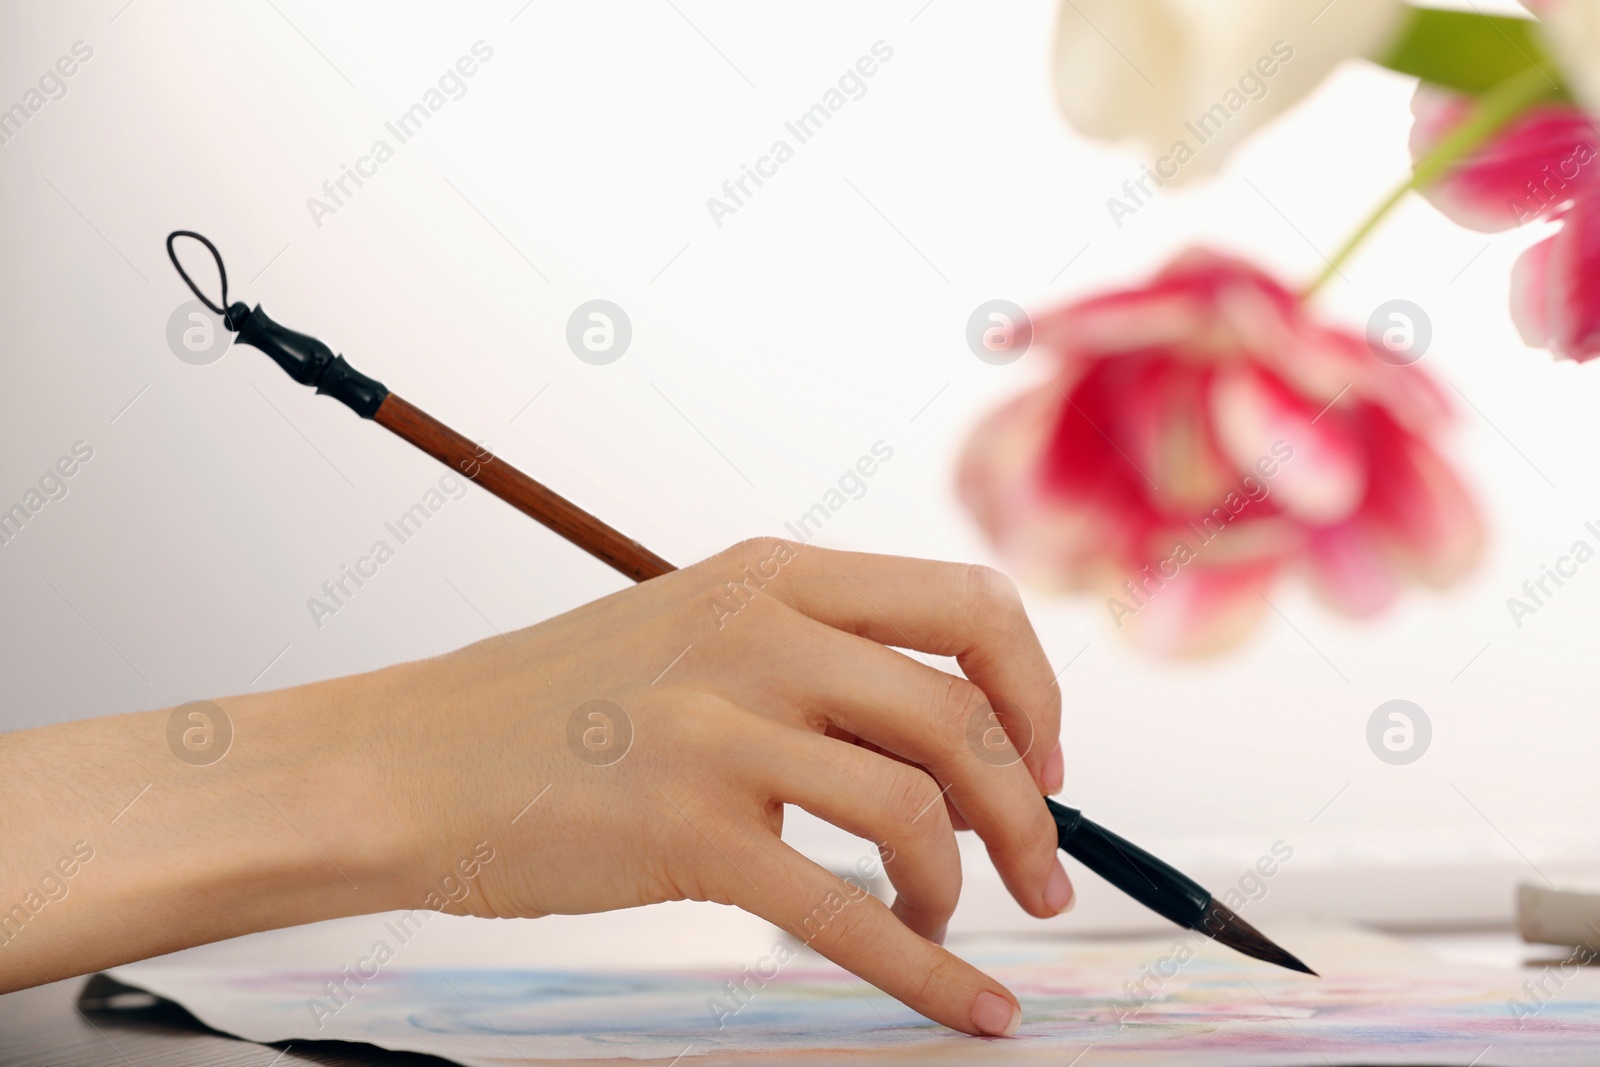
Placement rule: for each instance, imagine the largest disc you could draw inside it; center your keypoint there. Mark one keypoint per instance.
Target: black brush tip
(1222, 924)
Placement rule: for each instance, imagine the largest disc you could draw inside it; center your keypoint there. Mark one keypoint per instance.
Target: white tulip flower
(1190, 79)
(1572, 33)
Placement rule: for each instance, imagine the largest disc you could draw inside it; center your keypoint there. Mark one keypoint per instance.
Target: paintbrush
(1155, 884)
(1161, 887)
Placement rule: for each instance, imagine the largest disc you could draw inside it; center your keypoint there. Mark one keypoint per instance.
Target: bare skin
(362, 794)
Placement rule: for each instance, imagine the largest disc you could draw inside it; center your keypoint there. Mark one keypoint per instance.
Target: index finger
(857, 931)
(965, 610)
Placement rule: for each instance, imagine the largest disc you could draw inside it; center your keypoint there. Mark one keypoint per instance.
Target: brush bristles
(1222, 924)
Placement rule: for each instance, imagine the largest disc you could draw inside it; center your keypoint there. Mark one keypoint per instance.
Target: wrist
(281, 823)
(321, 779)
(428, 769)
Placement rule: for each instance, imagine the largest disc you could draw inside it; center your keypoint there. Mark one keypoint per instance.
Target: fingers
(891, 803)
(853, 929)
(944, 724)
(967, 611)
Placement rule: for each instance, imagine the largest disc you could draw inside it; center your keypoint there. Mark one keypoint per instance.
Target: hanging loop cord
(303, 357)
(172, 253)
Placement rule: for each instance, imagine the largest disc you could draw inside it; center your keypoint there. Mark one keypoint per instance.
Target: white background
(768, 354)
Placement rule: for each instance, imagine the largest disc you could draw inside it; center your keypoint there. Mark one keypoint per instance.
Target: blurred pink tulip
(1542, 166)
(1200, 436)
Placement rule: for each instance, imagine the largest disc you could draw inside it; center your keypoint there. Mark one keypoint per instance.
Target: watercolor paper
(1092, 1003)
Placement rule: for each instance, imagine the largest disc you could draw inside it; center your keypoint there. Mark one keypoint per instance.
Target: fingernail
(995, 1015)
(1055, 770)
(1058, 895)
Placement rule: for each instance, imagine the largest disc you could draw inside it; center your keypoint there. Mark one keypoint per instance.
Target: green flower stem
(1493, 110)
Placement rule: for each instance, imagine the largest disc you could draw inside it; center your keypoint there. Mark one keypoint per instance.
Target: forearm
(120, 844)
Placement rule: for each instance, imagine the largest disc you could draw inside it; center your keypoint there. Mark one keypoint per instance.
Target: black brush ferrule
(1130, 868)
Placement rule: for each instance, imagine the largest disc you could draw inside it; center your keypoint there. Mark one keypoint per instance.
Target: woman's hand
(662, 730)
(637, 749)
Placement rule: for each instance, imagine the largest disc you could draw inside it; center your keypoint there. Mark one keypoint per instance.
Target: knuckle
(1027, 837)
(744, 576)
(747, 547)
(961, 701)
(1037, 831)
(841, 919)
(753, 550)
(941, 976)
(991, 598)
(704, 722)
(957, 706)
(755, 560)
(912, 801)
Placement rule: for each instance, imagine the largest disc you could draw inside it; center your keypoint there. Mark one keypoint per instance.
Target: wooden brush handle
(311, 362)
(541, 503)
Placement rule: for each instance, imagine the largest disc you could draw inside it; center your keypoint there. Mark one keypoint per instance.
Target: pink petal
(1419, 506)
(1086, 458)
(1258, 534)
(1410, 395)
(1165, 432)
(1317, 363)
(1336, 367)
(1555, 287)
(1047, 536)
(1317, 468)
(1535, 167)
(1531, 293)
(1200, 612)
(1176, 309)
(1350, 570)
(1122, 322)
(995, 480)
